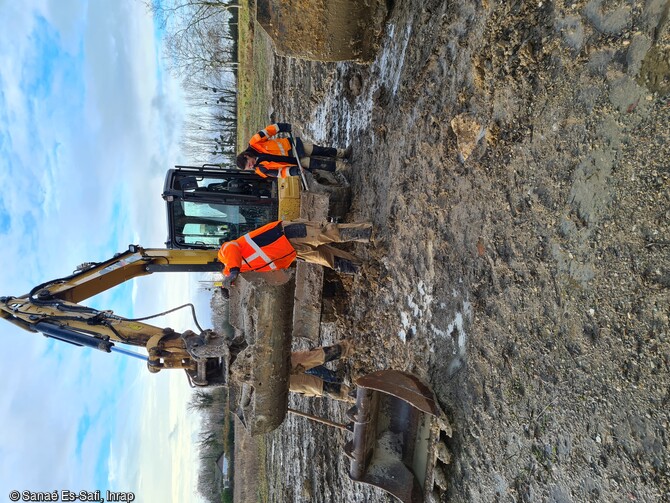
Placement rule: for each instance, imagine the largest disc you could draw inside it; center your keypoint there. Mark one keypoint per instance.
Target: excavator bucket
(396, 444)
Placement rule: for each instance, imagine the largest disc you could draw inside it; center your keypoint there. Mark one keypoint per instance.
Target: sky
(89, 123)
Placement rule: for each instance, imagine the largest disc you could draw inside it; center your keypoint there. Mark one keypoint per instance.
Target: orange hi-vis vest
(271, 169)
(264, 249)
(263, 144)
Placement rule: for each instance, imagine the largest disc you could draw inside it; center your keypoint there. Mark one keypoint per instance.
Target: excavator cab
(207, 206)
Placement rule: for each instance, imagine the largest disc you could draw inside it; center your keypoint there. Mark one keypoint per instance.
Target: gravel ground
(529, 283)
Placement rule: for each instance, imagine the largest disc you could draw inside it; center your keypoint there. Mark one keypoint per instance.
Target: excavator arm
(53, 309)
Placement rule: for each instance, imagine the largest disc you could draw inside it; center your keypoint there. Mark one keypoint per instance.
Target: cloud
(89, 122)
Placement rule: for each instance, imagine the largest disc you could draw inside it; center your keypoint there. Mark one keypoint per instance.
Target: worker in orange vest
(272, 157)
(277, 244)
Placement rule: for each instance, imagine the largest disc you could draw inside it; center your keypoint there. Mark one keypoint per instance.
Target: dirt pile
(528, 284)
(326, 30)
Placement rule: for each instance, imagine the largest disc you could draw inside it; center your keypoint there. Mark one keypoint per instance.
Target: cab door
(207, 207)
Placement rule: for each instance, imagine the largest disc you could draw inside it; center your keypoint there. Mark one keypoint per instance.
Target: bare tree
(197, 40)
(209, 131)
(201, 400)
(200, 46)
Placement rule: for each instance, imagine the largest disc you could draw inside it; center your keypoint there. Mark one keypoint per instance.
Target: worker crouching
(309, 377)
(276, 245)
(271, 157)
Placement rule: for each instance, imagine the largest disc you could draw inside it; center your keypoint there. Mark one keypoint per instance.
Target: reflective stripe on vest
(259, 253)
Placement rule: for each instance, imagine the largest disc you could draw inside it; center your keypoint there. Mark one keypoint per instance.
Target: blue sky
(89, 122)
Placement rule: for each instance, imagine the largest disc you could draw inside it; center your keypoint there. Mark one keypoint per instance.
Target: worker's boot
(342, 349)
(361, 233)
(345, 153)
(327, 164)
(332, 153)
(345, 266)
(323, 373)
(338, 392)
(329, 152)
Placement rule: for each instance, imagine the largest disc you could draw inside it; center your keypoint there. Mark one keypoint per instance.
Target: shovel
(297, 159)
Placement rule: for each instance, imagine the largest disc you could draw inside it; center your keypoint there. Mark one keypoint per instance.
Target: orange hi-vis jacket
(262, 143)
(264, 249)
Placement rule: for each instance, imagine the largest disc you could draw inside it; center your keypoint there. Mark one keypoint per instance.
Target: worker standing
(272, 157)
(277, 244)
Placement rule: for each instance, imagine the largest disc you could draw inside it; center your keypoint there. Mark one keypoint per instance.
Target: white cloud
(88, 125)
(67, 16)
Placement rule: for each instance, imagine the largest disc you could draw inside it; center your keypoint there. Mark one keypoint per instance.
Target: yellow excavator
(397, 426)
(206, 206)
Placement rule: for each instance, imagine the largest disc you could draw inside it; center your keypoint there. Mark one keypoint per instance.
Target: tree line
(200, 44)
(215, 439)
(217, 436)
(200, 48)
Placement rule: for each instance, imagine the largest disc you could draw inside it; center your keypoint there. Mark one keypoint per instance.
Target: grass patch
(254, 87)
(253, 101)
(263, 487)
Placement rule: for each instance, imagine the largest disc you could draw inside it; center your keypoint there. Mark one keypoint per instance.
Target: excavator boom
(53, 309)
(94, 278)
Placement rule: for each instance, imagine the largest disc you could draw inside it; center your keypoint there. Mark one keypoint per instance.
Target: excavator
(397, 426)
